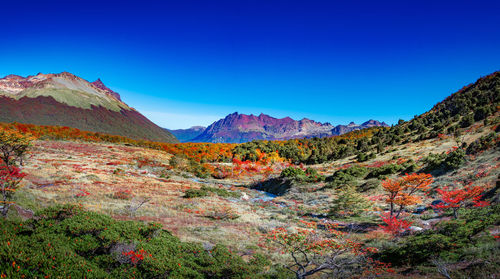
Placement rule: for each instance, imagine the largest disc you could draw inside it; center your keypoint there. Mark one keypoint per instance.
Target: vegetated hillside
(186, 135)
(239, 128)
(67, 100)
(474, 102)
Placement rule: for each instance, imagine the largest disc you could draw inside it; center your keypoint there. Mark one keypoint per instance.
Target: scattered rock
(245, 197)
(415, 229)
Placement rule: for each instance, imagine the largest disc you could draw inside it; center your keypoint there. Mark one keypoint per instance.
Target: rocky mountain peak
(99, 84)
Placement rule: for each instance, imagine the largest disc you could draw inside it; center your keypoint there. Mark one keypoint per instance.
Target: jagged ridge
(239, 128)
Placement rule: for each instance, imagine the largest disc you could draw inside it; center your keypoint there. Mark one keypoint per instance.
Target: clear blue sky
(184, 63)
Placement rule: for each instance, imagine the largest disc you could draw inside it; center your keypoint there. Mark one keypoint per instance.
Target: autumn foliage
(394, 225)
(312, 251)
(457, 198)
(199, 153)
(402, 190)
(13, 145)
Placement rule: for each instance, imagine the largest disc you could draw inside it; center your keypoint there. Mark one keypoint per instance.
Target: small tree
(311, 251)
(349, 202)
(13, 146)
(455, 199)
(402, 191)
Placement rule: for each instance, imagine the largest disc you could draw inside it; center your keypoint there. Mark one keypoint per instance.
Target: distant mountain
(342, 129)
(185, 135)
(238, 128)
(67, 100)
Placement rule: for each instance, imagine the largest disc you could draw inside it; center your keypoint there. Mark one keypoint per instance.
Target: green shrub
(466, 121)
(449, 240)
(292, 172)
(483, 143)
(370, 184)
(68, 242)
(198, 169)
(362, 157)
(348, 203)
(221, 192)
(298, 174)
(454, 159)
(444, 162)
(205, 191)
(195, 193)
(384, 170)
(341, 179)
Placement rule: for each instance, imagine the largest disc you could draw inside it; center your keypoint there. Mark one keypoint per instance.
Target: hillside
(186, 135)
(67, 100)
(240, 128)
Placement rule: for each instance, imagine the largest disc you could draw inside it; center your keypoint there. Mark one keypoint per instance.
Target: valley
(379, 198)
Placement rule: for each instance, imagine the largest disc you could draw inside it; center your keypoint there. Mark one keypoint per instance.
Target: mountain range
(67, 100)
(239, 128)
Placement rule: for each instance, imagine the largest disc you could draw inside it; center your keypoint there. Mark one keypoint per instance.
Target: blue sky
(185, 63)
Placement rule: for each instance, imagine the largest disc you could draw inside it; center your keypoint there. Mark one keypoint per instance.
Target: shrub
(370, 184)
(348, 203)
(123, 195)
(454, 159)
(394, 225)
(298, 174)
(384, 170)
(341, 179)
(195, 193)
(448, 241)
(66, 241)
(198, 169)
(466, 121)
(224, 213)
(205, 191)
(444, 161)
(362, 157)
(483, 143)
(292, 172)
(221, 192)
(355, 171)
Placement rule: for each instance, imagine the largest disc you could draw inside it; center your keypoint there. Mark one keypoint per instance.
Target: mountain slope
(67, 100)
(185, 135)
(239, 128)
(474, 102)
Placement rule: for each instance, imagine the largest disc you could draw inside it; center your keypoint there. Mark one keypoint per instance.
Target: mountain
(67, 100)
(239, 128)
(342, 129)
(185, 135)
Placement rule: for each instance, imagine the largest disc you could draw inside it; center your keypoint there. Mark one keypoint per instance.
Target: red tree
(457, 198)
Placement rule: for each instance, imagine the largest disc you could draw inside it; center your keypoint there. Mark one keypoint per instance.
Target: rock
(208, 246)
(415, 229)
(245, 197)
(420, 209)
